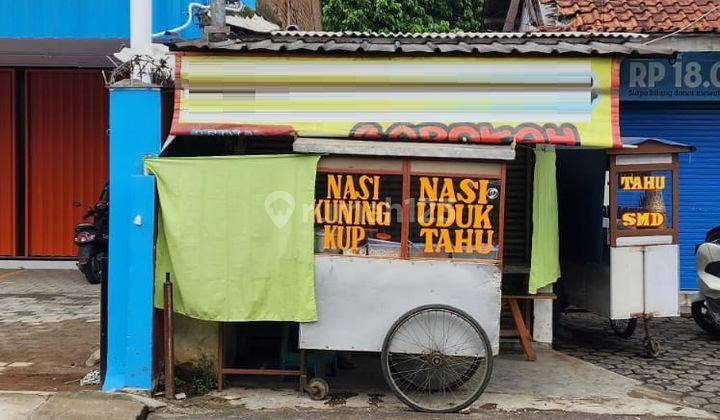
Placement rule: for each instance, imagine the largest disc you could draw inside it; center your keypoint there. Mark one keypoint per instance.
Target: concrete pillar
(135, 130)
(543, 318)
(141, 25)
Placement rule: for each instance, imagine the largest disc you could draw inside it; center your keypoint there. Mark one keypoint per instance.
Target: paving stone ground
(49, 325)
(688, 365)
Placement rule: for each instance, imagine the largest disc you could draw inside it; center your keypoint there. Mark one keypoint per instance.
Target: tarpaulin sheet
(236, 235)
(570, 101)
(545, 256)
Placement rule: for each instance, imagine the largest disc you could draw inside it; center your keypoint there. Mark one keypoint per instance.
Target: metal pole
(168, 333)
(217, 30)
(220, 356)
(302, 380)
(217, 13)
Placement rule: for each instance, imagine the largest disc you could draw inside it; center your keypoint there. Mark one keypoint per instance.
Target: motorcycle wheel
(701, 315)
(96, 266)
(88, 263)
(88, 272)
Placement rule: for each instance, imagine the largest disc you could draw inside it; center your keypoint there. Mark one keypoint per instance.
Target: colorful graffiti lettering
(482, 133)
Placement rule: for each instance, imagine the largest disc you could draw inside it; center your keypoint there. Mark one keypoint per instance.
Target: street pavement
(213, 411)
(49, 324)
(688, 365)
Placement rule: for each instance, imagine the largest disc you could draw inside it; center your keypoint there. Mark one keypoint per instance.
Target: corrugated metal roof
(8, 160)
(56, 52)
(407, 43)
(66, 155)
(641, 140)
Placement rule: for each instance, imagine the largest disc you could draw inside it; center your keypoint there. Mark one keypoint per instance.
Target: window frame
(407, 173)
(615, 171)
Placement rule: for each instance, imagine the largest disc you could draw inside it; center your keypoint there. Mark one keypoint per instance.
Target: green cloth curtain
(236, 235)
(545, 256)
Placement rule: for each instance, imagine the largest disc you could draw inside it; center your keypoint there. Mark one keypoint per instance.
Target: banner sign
(458, 215)
(690, 77)
(566, 101)
(351, 205)
(447, 216)
(646, 190)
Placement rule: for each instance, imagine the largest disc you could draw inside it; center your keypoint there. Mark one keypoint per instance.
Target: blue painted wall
(135, 130)
(93, 19)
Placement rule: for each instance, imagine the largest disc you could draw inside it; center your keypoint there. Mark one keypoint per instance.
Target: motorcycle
(92, 240)
(706, 309)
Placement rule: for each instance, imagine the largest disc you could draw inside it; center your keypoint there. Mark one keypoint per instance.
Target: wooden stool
(521, 324)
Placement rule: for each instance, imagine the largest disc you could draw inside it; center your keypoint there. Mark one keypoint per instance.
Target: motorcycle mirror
(76, 204)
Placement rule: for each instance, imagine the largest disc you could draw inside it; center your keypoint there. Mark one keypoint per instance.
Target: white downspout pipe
(140, 25)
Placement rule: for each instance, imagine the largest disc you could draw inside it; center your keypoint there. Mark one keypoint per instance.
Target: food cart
(407, 262)
(422, 288)
(620, 256)
(408, 215)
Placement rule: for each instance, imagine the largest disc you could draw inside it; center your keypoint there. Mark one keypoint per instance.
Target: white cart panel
(358, 299)
(644, 281)
(662, 280)
(626, 277)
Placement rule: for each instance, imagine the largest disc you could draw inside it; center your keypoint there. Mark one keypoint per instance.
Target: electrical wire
(190, 8)
(684, 27)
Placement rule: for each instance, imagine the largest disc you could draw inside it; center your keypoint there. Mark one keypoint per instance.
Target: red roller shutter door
(8, 191)
(66, 155)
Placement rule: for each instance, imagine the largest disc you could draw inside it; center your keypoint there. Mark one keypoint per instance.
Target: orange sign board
(454, 215)
(642, 182)
(351, 204)
(643, 219)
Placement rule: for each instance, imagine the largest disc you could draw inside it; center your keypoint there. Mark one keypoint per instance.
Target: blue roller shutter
(696, 124)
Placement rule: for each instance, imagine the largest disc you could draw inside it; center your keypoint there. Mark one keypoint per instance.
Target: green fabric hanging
(236, 235)
(545, 257)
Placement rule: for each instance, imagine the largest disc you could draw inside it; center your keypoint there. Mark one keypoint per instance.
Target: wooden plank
(612, 188)
(532, 12)
(501, 219)
(525, 340)
(403, 149)
(506, 333)
(511, 16)
(220, 355)
(552, 296)
(261, 372)
(405, 226)
(675, 198)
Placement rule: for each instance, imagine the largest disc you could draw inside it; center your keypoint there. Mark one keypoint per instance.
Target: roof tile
(658, 16)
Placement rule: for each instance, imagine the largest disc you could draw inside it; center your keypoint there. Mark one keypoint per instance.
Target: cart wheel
(317, 388)
(623, 328)
(652, 348)
(410, 381)
(437, 358)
